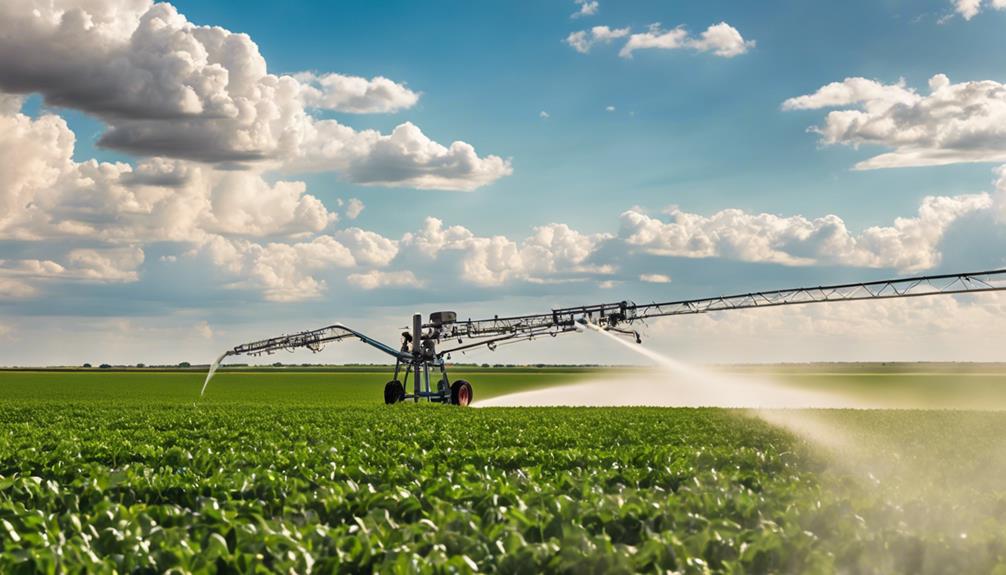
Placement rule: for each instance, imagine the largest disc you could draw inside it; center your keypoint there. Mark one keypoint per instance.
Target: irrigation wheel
(394, 392)
(461, 393)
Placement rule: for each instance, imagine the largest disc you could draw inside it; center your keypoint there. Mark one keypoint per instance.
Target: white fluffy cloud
(167, 87)
(50, 198)
(19, 278)
(13, 288)
(273, 237)
(586, 8)
(655, 278)
(204, 329)
(910, 244)
(295, 271)
(46, 194)
(368, 248)
(282, 272)
(968, 9)
(375, 279)
(584, 40)
(554, 249)
(354, 207)
(406, 157)
(955, 123)
(105, 265)
(354, 94)
(721, 39)
(291, 272)
(558, 249)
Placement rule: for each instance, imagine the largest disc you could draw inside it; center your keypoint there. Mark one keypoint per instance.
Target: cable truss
(314, 340)
(428, 346)
(610, 315)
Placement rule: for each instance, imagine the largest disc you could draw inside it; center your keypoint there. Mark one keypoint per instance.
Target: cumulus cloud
(954, 123)
(282, 272)
(553, 249)
(368, 248)
(167, 87)
(13, 288)
(968, 9)
(584, 40)
(721, 39)
(375, 279)
(291, 272)
(354, 94)
(354, 207)
(586, 8)
(105, 265)
(910, 244)
(408, 157)
(47, 194)
(204, 330)
(296, 271)
(21, 278)
(242, 220)
(271, 236)
(559, 249)
(655, 278)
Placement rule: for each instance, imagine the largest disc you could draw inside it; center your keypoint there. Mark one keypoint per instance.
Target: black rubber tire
(461, 393)
(394, 392)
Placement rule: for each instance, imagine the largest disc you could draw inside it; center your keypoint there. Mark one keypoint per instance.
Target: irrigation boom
(430, 344)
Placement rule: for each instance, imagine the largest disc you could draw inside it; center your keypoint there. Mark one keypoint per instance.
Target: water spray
(213, 369)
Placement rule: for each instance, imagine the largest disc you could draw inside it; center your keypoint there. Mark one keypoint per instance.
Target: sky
(181, 178)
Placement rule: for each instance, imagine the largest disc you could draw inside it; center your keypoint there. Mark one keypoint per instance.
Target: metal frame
(426, 338)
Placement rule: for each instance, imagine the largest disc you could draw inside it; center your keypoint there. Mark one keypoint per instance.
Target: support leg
(446, 382)
(417, 351)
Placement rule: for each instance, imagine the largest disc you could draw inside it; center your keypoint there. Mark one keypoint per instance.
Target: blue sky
(705, 133)
(585, 137)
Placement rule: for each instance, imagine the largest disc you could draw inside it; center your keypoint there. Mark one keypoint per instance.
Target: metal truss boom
(610, 315)
(445, 337)
(315, 340)
(430, 345)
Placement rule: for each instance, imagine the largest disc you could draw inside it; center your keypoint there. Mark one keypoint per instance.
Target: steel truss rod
(315, 340)
(610, 315)
(508, 338)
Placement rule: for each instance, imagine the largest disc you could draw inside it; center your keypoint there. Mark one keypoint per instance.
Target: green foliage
(392, 488)
(122, 472)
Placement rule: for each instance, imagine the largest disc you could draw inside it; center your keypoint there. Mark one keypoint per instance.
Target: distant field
(309, 472)
(262, 386)
(957, 386)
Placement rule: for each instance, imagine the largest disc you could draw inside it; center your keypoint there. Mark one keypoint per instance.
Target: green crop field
(308, 472)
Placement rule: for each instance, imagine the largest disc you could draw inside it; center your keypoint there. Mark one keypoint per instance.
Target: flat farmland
(301, 471)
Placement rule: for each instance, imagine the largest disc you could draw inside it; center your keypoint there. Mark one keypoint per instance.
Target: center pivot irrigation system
(430, 344)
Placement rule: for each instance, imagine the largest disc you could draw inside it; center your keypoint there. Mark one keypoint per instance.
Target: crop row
(417, 488)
